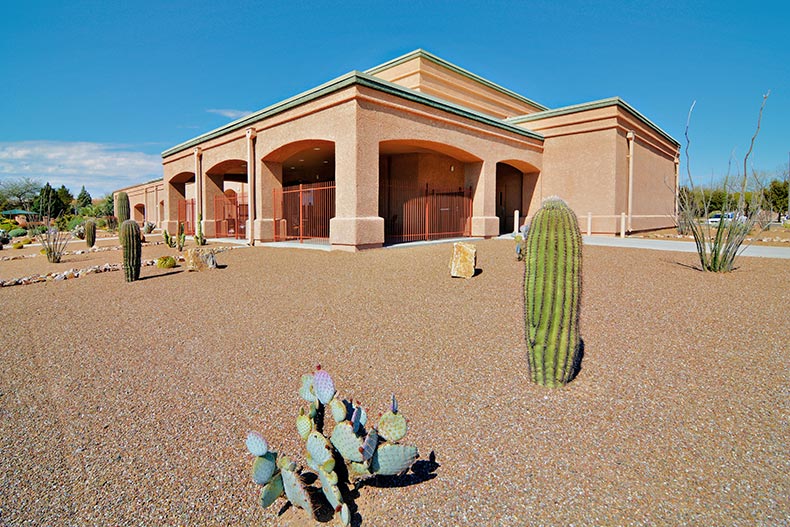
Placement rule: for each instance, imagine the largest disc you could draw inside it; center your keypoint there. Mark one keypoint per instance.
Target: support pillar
(253, 194)
(357, 224)
(482, 178)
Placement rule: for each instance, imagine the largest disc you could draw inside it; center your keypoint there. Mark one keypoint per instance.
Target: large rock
(464, 260)
(200, 259)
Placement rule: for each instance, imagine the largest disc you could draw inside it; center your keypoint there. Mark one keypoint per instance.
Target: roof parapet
(592, 105)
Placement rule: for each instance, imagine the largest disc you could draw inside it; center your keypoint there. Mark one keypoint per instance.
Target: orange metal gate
(413, 213)
(231, 214)
(303, 211)
(186, 215)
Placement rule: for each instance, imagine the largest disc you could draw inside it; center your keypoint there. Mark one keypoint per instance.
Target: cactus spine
(122, 207)
(90, 233)
(132, 249)
(552, 293)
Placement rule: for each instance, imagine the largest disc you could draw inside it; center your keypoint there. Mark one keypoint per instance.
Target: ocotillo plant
(132, 249)
(122, 207)
(552, 294)
(90, 233)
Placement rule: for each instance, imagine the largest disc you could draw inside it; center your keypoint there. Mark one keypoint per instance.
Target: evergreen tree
(84, 198)
(66, 198)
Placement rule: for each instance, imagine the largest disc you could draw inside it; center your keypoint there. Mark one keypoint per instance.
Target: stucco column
(213, 188)
(482, 178)
(253, 195)
(174, 192)
(271, 177)
(630, 136)
(198, 154)
(357, 223)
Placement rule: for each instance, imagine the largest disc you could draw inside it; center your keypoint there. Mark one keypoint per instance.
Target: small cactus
(199, 238)
(122, 211)
(165, 262)
(132, 249)
(90, 233)
(169, 240)
(181, 238)
(552, 294)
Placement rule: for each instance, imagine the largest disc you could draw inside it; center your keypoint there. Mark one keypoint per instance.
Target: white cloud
(101, 167)
(231, 114)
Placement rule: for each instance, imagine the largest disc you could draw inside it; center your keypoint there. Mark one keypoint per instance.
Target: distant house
(416, 148)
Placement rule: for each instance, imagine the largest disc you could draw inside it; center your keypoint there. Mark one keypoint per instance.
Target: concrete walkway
(761, 251)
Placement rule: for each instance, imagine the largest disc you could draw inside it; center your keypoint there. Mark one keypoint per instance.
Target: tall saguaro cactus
(122, 207)
(132, 249)
(552, 294)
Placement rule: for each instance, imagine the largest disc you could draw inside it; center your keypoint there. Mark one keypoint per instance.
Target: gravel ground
(128, 404)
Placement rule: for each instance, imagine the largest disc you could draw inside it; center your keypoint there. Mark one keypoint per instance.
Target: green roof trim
(593, 105)
(344, 81)
(457, 69)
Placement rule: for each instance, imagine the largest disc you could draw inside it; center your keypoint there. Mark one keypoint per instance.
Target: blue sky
(92, 92)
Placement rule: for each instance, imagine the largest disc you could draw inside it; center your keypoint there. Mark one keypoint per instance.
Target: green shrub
(62, 223)
(17, 245)
(8, 225)
(101, 223)
(26, 241)
(74, 221)
(17, 232)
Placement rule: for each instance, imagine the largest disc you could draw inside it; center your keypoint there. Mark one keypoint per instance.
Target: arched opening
(423, 193)
(161, 213)
(139, 213)
(515, 189)
(304, 190)
(181, 200)
(227, 199)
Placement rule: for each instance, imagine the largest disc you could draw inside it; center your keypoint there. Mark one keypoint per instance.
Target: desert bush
(26, 241)
(54, 242)
(17, 245)
(14, 233)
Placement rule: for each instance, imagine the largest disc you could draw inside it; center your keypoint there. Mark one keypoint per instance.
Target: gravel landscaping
(128, 404)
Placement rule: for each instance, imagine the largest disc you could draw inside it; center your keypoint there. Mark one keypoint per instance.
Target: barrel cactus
(552, 294)
(132, 249)
(122, 211)
(90, 233)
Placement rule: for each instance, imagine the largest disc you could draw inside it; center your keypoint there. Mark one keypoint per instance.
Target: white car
(715, 219)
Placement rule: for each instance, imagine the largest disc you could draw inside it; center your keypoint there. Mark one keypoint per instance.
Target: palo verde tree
(718, 243)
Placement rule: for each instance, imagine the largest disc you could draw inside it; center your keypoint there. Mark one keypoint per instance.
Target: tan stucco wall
(148, 196)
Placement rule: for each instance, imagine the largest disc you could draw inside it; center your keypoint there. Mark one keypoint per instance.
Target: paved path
(761, 251)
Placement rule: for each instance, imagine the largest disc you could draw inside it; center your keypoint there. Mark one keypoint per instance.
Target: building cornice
(593, 105)
(354, 78)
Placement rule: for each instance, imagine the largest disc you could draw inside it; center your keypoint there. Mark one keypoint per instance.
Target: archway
(423, 193)
(139, 213)
(302, 175)
(181, 201)
(226, 215)
(515, 188)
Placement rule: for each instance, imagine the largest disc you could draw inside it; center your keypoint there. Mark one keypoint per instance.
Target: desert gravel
(128, 404)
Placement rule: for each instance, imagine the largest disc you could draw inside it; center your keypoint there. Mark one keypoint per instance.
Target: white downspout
(629, 206)
(251, 199)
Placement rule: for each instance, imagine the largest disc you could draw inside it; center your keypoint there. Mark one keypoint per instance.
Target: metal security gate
(412, 213)
(186, 215)
(230, 216)
(303, 211)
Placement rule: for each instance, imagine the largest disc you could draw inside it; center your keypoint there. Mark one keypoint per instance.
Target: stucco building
(416, 148)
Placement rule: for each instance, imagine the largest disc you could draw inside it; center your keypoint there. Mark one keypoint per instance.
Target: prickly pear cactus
(552, 293)
(365, 453)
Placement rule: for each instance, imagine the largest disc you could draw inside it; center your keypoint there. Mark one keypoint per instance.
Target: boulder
(464, 260)
(200, 259)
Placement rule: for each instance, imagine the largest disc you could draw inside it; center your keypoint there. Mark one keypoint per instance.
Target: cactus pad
(295, 490)
(272, 490)
(306, 390)
(359, 470)
(370, 444)
(319, 448)
(339, 410)
(304, 425)
(392, 426)
(323, 386)
(329, 486)
(345, 515)
(263, 467)
(347, 442)
(256, 444)
(390, 460)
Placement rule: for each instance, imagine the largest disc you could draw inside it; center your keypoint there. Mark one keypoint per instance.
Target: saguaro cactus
(552, 294)
(122, 207)
(132, 249)
(90, 233)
